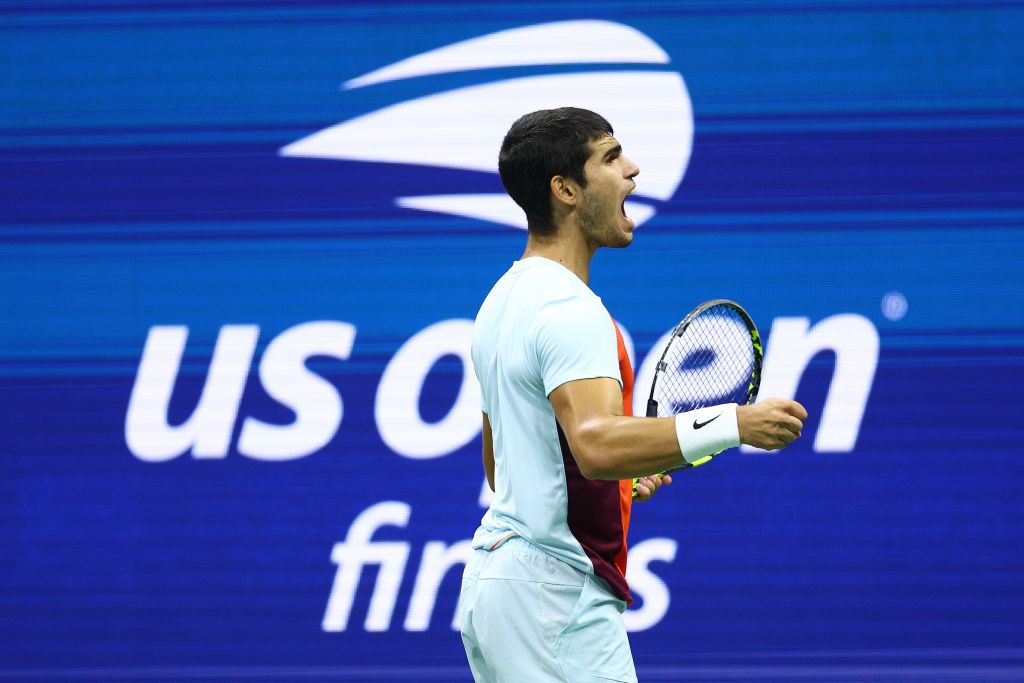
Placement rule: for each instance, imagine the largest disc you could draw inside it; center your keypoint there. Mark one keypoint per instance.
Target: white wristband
(706, 431)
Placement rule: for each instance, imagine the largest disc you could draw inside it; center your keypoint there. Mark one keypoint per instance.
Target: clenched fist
(770, 424)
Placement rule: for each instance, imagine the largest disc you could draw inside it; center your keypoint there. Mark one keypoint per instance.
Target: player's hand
(646, 486)
(770, 424)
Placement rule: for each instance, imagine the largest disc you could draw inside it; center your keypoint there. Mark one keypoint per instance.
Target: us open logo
(462, 128)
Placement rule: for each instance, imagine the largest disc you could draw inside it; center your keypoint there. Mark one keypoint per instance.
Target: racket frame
(755, 375)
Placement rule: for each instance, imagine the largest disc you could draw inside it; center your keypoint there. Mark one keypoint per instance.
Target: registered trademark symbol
(894, 306)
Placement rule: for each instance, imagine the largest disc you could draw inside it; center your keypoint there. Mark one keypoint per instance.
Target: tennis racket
(713, 356)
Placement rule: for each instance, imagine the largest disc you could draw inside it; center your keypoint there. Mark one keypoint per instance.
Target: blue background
(841, 151)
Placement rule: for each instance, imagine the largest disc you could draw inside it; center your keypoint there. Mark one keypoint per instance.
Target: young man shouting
(543, 595)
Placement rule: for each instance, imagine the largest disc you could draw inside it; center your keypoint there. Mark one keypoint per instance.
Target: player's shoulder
(555, 285)
(574, 310)
(535, 284)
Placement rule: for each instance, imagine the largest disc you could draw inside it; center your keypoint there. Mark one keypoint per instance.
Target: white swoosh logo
(463, 128)
(560, 42)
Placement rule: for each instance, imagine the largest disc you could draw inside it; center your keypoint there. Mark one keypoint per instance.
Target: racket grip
(636, 480)
(652, 411)
(652, 408)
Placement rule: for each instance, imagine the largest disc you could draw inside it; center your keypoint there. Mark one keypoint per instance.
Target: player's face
(602, 211)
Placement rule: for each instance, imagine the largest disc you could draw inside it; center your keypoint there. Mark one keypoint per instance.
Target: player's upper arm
(606, 443)
(578, 361)
(575, 339)
(582, 408)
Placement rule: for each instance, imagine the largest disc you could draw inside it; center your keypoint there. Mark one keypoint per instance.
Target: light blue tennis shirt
(539, 327)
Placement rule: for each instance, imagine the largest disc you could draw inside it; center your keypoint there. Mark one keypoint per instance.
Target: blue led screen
(243, 244)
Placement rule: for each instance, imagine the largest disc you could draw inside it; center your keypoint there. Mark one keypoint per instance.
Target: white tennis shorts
(528, 617)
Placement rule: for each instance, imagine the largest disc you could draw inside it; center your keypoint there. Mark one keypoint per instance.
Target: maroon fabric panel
(595, 520)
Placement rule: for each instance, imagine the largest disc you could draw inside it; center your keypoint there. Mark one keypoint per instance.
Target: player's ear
(564, 190)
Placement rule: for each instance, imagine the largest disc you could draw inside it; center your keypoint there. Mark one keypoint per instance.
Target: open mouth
(622, 207)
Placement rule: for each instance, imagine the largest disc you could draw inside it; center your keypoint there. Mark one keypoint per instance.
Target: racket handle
(652, 408)
(652, 411)
(636, 480)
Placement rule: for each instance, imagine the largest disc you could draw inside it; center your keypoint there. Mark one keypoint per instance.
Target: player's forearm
(618, 447)
(622, 447)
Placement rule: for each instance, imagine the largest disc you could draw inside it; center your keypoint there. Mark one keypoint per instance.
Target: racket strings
(710, 362)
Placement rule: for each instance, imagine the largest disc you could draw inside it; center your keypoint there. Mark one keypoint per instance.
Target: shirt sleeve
(576, 340)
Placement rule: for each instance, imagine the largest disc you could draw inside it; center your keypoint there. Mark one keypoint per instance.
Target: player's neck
(566, 248)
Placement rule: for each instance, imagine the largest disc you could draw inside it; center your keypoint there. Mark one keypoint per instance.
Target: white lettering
(791, 346)
(438, 558)
(357, 551)
(397, 405)
(208, 430)
(319, 409)
(317, 404)
(646, 584)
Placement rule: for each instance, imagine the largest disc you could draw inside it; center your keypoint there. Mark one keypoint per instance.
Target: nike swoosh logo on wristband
(698, 425)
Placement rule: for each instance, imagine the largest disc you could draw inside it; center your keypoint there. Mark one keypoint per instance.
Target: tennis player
(543, 594)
